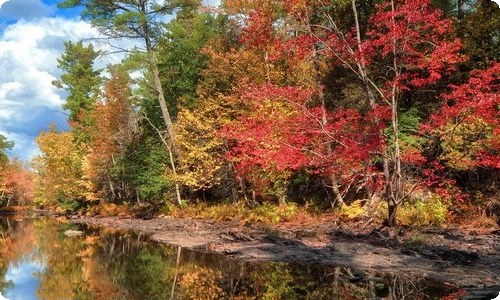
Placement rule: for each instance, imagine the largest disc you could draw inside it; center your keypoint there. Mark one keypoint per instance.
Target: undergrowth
(266, 212)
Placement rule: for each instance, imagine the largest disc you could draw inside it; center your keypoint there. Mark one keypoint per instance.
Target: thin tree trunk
(177, 187)
(362, 62)
(172, 161)
(159, 89)
(396, 176)
(336, 191)
(324, 120)
(371, 98)
(172, 293)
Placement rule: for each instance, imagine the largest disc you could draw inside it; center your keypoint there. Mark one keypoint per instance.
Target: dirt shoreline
(463, 259)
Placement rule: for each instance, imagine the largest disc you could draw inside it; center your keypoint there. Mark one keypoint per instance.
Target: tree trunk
(362, 62)
(371, 98)
(336, 192)
(338, 199)
(395, 182)
(392, 209)
(161, 95)
(177, 263)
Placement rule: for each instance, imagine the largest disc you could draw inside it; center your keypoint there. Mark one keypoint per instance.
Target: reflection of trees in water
(16, 242)
(138, 269)
(62, 275)
(108, 265)
(282, 281)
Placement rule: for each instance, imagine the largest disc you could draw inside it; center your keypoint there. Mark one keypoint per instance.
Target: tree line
(299, 101)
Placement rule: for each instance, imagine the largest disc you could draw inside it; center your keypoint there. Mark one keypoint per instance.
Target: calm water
(37, 261)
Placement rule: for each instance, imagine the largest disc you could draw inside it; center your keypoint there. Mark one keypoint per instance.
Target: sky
(24, 279)
(32, 33)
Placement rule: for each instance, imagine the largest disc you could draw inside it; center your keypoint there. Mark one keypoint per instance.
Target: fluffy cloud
(28, 65)
(30, 44)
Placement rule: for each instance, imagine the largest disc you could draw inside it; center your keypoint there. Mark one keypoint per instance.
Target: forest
(271, 110)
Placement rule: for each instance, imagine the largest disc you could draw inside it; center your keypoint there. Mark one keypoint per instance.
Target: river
(38, 261)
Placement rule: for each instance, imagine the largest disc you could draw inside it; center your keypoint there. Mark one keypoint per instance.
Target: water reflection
(37, 261)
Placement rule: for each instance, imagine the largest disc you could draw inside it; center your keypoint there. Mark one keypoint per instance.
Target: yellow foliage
(432, 211)
(202, 284)
(461, 142)
(266, 213)
(60, 178)
(202, 162)
(354, 210)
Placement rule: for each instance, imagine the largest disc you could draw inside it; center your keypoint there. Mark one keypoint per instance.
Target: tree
(285, 133)
(114, 131)
(60, 181)
(16, 183)
(413, 44)
(81, 81)
(137, 19)
(181, 59)
(4, 145)
(480, 34)
(468, 123)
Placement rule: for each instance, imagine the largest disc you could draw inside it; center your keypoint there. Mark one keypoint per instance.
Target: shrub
(432, 211)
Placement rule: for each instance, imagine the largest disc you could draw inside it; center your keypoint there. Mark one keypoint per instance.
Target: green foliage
(279, 283)
(461, 142)
(68, 204)
(149, 280)
(181, 60)
(409, 139)
(146, 163)
(480, 33)
(4, 145)
(81, 81)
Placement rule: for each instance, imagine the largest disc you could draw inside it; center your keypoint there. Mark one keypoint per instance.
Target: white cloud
(28, 65)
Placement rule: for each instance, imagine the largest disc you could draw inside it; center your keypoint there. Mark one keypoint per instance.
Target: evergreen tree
(81, 81)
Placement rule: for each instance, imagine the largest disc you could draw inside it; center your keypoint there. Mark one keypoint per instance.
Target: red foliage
(284, 134)
(258, 32)
(477, 99)
(434, 177)
(413, 41)
(419, 39)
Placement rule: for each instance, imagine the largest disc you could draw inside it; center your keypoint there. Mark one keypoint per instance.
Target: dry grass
(110, 210)
(239, 211)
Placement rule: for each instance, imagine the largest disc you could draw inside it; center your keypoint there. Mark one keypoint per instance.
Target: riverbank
(460, 257)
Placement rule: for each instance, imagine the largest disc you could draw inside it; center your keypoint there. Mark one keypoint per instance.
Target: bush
(432, 211)
(355, 210)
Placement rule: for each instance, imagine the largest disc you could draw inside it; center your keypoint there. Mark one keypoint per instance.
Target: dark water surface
(37, 261)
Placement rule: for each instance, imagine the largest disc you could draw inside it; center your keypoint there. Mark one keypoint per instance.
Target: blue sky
(25, 282)
(32, 33)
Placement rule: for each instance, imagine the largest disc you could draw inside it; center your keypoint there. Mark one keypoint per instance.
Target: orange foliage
(16, 183)
(113, 132)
